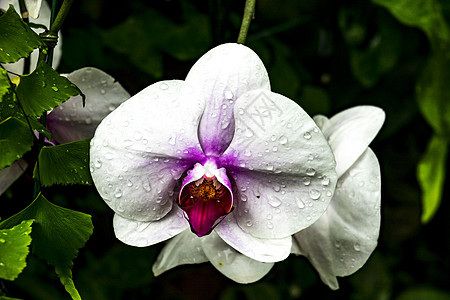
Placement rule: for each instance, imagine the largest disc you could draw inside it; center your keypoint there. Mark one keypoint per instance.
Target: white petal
(219, 78)
(33, 7)
(184, 248)
(70, 121)
(10, 174)
(43, 19)
(263, 250)
(231, 263)
(142, 148)
(143, 234)
(321, 121)
(342, 240)
(282, 165)
(350, 132)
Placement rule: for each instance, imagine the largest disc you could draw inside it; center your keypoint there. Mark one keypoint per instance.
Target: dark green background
(326, 55)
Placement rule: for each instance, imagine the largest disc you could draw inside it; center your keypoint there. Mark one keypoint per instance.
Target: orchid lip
(205, 197)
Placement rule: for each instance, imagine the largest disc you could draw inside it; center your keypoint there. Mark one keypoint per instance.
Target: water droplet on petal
(118, 193)
(357, 247)
(337, 244)
(310, 172)
(55, 88)
(306, 180)
(111, 107)
(307, 135)
(163, 86)
(314, 194)
(98, 163)
(228, 95)
(247, 153)
(283, 140)
(325, 181)
(300, 203)
(249, 223)
(274, 201)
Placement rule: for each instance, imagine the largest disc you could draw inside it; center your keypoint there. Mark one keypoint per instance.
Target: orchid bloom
(342, 239)
(218, 158)
(70, 121)
(40, 13)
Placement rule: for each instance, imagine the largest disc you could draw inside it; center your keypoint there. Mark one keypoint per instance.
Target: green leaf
(424, 14)
(57, 235)
(433, 93)
(8, 104)
(14, 249)
(431, 176)
(43, 90)
(15, 140)
(17, 40)
(64, 164)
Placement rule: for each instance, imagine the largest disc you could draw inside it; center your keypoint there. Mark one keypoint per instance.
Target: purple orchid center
(205, 197)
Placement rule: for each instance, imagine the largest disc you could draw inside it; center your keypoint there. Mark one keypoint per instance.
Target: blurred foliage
(327, 55)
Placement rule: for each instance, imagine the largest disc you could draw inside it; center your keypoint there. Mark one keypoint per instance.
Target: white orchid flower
(341, 241)
(40, 14)
(70, 121)
(244, 168)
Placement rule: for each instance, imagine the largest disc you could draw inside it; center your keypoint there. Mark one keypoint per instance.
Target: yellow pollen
(207, 190)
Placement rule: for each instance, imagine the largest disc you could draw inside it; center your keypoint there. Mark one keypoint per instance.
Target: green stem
(249, 12)
(59, 20)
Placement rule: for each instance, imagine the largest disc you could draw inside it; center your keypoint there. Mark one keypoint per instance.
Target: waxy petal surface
(70, 121)
(142, 148)
(33, 7)
(143, 234)
(263, 250)
(282, 165)
(342, 240)
(350, 132)
(231, 263)
(10, 174)
(219, 78)
(185, 248)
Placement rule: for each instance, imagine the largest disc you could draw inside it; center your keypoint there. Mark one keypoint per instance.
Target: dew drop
(88, 121)
(269, 225)
(274, 201)
(147, 187)
(247, 153)
(306, 180)
(269, 217)
(111, 107)
(163, 86)
(102, 91)
(325, 181)
(337, 244)
(118, 193)
(228, 95)
(249, 223)
(109, 155)
(283, 140)
(307, 135)
(55, 88)
(98, 163)
(276, 188)
(314, 194)
(357, 247)
(310, 172)
(300, 203)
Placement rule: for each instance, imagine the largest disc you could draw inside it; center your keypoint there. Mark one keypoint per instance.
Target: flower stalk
(249, 14)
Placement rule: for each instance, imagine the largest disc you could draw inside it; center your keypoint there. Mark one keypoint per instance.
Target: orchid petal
(263, 250)
(33, 7)
(321, 121)
(185, 248)
(143, 234)
(43, 19)
(341, 241)
(10, 174)
(142, 148)
(231, 263)
(70, 121)
(219, 77)
(350, 132)
(282, 165)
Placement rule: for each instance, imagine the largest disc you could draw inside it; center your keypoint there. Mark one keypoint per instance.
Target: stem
(24, 14)
(59, 20)
(249, 13)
